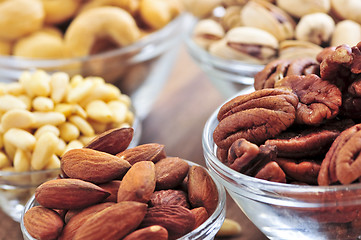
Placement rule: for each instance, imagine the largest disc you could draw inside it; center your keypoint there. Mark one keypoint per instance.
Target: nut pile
(55, 29)
(109, 191)
(302, 123)
(258, 31)
(43, 116)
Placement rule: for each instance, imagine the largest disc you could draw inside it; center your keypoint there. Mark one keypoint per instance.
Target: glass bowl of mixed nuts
(289, 152)
(154, 195)
(45, 115)
(232, 40)
(130, 44)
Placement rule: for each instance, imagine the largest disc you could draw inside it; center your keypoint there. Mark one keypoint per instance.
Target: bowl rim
(202, 230)
(142, 43)
(236, 178)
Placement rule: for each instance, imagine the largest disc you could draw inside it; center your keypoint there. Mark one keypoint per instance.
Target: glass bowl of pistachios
(44, 116)
(232, 40)
(130, 44)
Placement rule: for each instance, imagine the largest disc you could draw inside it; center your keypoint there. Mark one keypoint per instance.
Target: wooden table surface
(176, 120)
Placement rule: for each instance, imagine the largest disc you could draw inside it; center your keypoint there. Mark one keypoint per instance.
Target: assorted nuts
(155, 196)
(43, 116)
(298, 28)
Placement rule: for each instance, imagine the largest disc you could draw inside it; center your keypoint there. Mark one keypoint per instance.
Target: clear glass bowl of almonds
(130, 44)
(45, 115)
(286, 198)
(156, 196)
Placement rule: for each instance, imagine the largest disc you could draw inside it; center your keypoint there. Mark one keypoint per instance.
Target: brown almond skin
(154, 232)
(112, 141)
(170, 172)
(114, 222)
(145, 152)
(138, 184)
(200, 214)
(69, 194)
(202, 191)
(177, 220)
(80, 218)
(169, 197)
(92, 165)
(112, 187)
(43, 223)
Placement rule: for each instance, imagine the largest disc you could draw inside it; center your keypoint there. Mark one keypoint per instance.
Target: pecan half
(256, 116)
(342, 162)
(318, 99)
(310, 142)
(280, 68)
(304, 170)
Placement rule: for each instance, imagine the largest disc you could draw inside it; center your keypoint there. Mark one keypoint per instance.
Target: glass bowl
(17, 187)
(206, 230)
(139, 70)
(228, 76)
(288, 211)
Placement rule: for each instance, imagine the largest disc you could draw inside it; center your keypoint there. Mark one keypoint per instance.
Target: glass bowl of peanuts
(278, 204)
(130, 44)
(156, 196)
(45, 115)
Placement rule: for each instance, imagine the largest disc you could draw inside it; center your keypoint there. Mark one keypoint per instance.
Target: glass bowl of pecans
(155, 195)
(45, 115)
(130, 44)
(289, 153)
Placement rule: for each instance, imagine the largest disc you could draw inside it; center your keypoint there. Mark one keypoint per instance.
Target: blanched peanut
(85, 140)
(68, 131)
(102, 91)
(59, 83)
(8, 102)
(84, 127)
(81, 90)
(9, 150)
(20, 139)
(36, 84)
(4, 161)
(229, 228)
(47, 128)
(69, 109)
(98, 110)
(26, 100)
(43, 118)
(21, 161)
(14, 88)
(17, 118)
(73, 145)
(45, 147)
(98, 126)
(119, 110)
(53, 163)
(60, 148)
(44, 104)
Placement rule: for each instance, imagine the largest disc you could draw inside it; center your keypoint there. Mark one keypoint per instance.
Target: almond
(202, 191)
(43, 223)
(114, 222)
(154, 232)
(169, 197)
(92, 165)
(80, 218)
(69, 194)
(112, 141)
(200, 214)
(138, 184)
(170, 172)
(112, 187)
(145, 152)
(177, 220)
